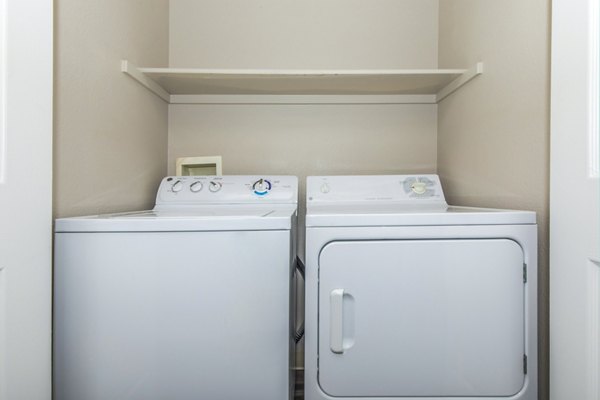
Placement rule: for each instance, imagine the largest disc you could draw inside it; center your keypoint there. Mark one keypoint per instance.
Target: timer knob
(261, 187)
(177, 186)
(196, 187)
(215, 186)
(419, 187)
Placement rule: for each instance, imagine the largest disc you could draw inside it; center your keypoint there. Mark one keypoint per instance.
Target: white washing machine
(407, 298)
(190, 300)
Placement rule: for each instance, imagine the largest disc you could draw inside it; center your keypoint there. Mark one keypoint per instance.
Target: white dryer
(407, 298)
(190, 300)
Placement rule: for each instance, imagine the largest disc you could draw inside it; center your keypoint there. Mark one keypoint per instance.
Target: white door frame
(574, 203)
(26, 43)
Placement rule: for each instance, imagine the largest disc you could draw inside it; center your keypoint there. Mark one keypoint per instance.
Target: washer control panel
(197, 190)
(400, 189)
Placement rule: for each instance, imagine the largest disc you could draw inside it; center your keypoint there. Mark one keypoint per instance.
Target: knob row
(261, 187)
(197, 186)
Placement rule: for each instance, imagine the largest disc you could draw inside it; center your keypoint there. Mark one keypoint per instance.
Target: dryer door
(421, 318)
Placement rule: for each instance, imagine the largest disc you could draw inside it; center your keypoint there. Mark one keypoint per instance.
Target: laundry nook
(299, 200)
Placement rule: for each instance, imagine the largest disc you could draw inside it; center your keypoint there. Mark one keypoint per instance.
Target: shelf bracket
(453, 86)
(134, 72)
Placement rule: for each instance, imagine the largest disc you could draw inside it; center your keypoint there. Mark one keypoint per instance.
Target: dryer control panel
(201, 190)
(416, 190)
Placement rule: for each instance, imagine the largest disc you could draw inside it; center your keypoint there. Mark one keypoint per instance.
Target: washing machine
(190, 300)
(409, 298)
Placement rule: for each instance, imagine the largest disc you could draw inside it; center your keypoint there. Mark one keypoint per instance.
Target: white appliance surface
(423, 191)
(189, 301)
(189, 203)
(399, 215)
(186, 218)
(408, 298)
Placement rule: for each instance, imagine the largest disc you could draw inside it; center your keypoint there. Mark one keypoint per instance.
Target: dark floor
(299, 392)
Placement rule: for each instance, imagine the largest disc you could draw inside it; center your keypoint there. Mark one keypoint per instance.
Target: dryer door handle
(336, 321)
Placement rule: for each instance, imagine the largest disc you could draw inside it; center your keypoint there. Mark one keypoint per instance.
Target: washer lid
(397, 215)
(201, 218)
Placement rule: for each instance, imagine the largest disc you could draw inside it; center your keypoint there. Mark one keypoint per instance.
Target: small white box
(189, 166)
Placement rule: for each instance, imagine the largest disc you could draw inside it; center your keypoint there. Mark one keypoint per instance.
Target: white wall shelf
(283, 86)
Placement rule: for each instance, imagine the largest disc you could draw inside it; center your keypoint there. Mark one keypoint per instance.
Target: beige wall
(110, 132)
(305, 139)
(304, 34)
(493, 134)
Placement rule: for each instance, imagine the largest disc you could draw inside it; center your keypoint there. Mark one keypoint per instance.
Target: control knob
(177, 186)
(215, 186)
(419, 187)
(196, 187)
(262, 187)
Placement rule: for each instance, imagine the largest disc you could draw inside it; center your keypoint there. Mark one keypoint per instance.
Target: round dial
(215, 186)
(262, 187)
(177, 186)
(196, 187)
(419, 187)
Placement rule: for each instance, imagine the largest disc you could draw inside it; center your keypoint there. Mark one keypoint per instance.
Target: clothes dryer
(407, 298)
(190, 300)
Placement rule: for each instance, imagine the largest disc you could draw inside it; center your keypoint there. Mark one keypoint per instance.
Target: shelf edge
(134, 72)
(300, 72)
(140, 75)
(302, 99)
(462, 80)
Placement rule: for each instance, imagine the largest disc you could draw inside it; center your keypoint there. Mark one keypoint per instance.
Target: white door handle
(336, 323)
